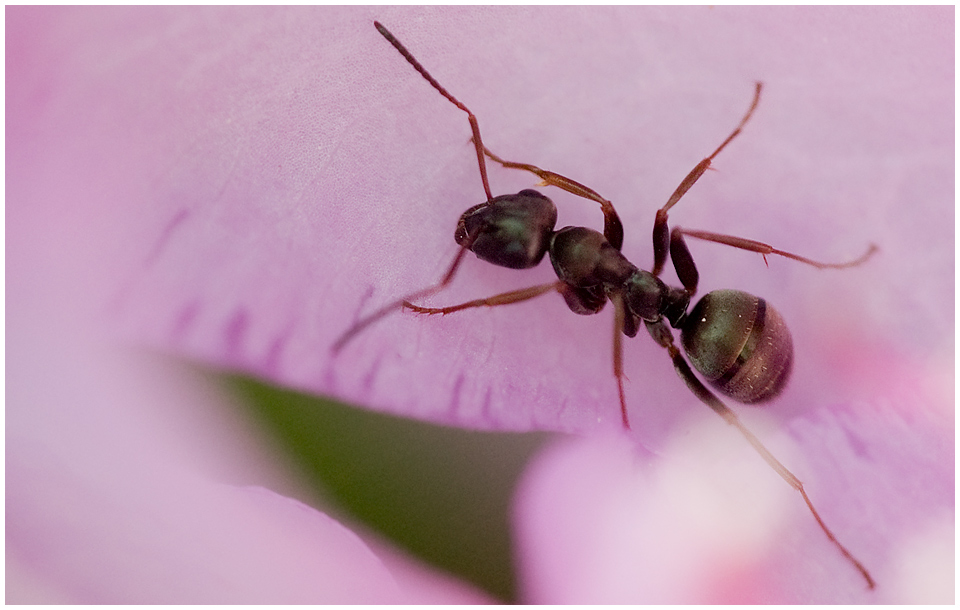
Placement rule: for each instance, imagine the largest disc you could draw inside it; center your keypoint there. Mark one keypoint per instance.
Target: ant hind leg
(662, 335)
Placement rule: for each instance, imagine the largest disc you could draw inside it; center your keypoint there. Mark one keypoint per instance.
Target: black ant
(738, 342)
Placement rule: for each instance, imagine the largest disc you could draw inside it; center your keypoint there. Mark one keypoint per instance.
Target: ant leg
(683, 262)
(506, 298)
(474, 126)
(687, 270)
(361, 324)
(524, 294)
(662, 335)
(661, 234)
(619, 319)
(765, 249)
(612, 227)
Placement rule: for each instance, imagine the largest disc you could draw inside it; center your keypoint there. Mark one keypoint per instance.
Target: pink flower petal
(266, 177)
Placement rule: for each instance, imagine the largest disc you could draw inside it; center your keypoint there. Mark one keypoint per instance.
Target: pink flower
(236, 188)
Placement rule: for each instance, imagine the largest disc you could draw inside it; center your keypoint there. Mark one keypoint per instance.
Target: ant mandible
(738, 342)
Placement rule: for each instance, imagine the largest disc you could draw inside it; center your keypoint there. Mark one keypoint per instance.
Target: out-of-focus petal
(708, 522)
(111, 461)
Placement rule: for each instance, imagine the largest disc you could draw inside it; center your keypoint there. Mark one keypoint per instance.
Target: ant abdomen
(740, 344)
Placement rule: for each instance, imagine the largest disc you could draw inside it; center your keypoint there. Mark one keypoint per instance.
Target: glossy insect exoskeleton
(739, 344)
(737, 341)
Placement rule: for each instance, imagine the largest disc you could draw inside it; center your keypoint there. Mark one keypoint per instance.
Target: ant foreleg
(662, 335)
(661, 234)
(765, 249)
(612, 227)
(393, 306)
(506, 298)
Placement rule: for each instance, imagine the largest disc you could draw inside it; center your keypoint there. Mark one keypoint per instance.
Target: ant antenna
(433, 82)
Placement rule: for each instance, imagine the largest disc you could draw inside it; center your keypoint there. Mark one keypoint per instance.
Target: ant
(737, 341)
